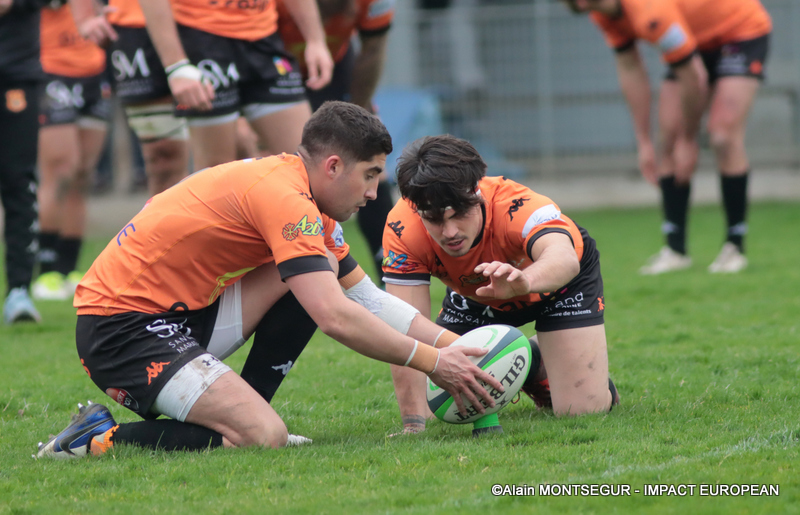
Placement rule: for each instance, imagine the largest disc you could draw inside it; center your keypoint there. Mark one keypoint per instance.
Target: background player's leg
(281, 131)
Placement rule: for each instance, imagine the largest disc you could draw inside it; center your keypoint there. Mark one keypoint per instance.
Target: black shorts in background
(138, 74)
(64, 100)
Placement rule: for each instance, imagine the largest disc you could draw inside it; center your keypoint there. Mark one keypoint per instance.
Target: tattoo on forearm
(413, 419)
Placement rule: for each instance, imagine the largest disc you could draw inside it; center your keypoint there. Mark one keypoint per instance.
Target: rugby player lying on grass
(189, 279)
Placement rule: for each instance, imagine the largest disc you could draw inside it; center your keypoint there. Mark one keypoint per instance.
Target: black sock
(48, 252)
(675, 199)
(167, 435)
(372, 218)
(68, 250)
(734, 198)
(279, 339)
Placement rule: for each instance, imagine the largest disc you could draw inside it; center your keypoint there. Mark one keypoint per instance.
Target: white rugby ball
(508, 360)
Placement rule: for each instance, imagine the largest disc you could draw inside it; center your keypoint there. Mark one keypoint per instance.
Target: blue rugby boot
(74, 441)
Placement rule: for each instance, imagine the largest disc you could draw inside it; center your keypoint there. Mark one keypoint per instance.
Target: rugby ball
(508, 360)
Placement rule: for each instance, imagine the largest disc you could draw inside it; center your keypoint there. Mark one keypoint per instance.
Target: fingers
(192, 93)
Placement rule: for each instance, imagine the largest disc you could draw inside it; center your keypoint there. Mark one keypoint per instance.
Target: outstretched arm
(554, 265)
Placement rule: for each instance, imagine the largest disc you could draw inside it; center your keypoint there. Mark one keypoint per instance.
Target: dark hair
(345, 129)
(440, 172)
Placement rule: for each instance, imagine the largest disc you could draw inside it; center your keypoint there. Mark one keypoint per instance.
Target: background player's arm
(367, 69)
(554, 265)
(635, 86)
(349, 323)
(185, 81)
(319, 62)
(90, 18)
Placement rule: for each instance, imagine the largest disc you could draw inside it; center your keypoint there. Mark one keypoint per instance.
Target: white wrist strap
(414, 351)
(436, 365)
(437, 337)
(185, 71)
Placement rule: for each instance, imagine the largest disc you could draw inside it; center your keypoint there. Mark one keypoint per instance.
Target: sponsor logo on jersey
(515, 205)
(304, 227)
(15, 100)
(398, 262)
(473, 279)
(338, 235)
(155, 369)
(673, 39)
(542, 215)
(380, 7)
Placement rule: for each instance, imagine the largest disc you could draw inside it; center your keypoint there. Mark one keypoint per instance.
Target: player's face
(355, 186)
(457, 232)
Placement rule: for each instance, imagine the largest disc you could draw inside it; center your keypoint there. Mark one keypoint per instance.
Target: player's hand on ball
(461, 378)
(506, 281)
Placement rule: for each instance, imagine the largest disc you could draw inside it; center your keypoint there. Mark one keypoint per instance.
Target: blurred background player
(20, 78)
(75, 108)
(222, 60)
(716, 53)
(507, 256)
(356, 73)
(142, 87)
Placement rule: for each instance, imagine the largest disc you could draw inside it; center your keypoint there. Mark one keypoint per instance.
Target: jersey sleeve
(618, 33)
(528, 216)
(375, 17)
(290, 223)
(401, 265)
(663, 25)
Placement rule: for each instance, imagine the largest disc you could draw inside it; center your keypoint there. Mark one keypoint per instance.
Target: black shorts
(242, 72)
(67, 99)
(138, 74)
(131, 356)
(738, 59)
(578, 304)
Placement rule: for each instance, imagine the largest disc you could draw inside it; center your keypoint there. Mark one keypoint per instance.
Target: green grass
(707, 367)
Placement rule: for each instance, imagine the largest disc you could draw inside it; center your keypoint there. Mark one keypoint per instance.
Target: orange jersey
(197, 238)
(679, 27)
(515, 217)
(368, 16)
(126, 13)
(248, 20)
(64, 51)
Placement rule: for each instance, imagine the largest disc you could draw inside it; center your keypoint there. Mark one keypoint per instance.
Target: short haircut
(440, 172)
(347, 130)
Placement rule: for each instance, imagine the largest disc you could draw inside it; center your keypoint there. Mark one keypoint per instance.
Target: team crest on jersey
(282, 65)
(304, 227)
(15, 100)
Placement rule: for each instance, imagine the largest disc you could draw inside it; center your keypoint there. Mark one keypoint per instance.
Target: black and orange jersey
(63, 50)
(248, 20)
(126, 13)
(679, 27)
(197, 238)
(368, 17)
(514, 218)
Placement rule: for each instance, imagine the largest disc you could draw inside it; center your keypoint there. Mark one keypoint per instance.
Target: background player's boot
(19, 307)
(74, 441)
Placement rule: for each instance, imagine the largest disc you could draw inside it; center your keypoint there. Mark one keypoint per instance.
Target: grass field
(707, 367)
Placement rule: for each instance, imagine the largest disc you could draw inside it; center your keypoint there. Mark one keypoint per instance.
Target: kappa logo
(165, 329)
(86, 368)
(155, 369)
(600, 304)
(15, 100)
(397, 228)
(285, 368)
(515, 205)
(304, 227)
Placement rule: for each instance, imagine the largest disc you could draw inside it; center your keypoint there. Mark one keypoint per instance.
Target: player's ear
(333, 166)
